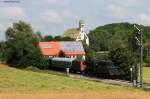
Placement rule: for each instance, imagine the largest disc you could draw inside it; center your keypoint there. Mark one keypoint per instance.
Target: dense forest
(20, 47)
(104, 37)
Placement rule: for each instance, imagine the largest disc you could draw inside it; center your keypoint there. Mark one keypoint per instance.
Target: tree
(38, 35)
(124, 59)
(101, 38)
(2, 50)
(57, 38)
(22, 46)
(48, 38)
(61, 54)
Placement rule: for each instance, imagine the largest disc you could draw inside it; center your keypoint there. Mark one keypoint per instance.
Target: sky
(53, 17)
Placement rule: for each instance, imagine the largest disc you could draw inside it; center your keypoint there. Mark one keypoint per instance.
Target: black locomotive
(102, 68)
(91, 67)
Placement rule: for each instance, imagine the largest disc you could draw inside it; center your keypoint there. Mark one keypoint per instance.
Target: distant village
(72, 49)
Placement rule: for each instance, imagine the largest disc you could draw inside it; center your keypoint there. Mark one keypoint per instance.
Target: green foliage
(22, 49)
(123, 58)
(38, 35)
(62, 54)
(101, 55)
(147, 59)
(3, 47)
(57, 38)
(147, 53)
(48, 38)
(102, 38)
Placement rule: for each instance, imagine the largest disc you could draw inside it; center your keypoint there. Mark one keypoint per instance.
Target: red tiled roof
(53, 48)
(49, 48)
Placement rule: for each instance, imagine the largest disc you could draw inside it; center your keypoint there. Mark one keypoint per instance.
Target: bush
(123, 58)
(101, 55)
(147, 59)
(22, 47)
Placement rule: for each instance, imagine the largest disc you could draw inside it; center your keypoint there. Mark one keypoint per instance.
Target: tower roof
(81, 22)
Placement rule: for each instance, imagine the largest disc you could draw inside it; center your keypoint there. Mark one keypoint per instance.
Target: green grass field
(21, 84)
(146, 73)
(15, 79)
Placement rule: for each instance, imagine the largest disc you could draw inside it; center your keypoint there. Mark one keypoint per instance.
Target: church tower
(82, 35)
(82, 25)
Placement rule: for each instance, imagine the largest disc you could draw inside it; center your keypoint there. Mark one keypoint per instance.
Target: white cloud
(144, 18)
(116, 10)
(57, 16)
(58, 2)
(132, 1)
(126, 3)
(11, 12)
(67, 13)
(52, 16)
(129, 2)
(53, 1)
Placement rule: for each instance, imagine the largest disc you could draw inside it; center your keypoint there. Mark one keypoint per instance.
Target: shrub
(123, 58)
(22, 47)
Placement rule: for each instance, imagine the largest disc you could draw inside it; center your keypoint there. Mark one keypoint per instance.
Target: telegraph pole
(140, 32)
(141, 59)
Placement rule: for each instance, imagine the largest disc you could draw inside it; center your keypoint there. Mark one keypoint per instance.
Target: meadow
(22, 84)
(146, 74)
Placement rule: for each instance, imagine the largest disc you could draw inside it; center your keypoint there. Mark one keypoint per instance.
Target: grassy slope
(20, 84)
(146, 74)
(14, 79)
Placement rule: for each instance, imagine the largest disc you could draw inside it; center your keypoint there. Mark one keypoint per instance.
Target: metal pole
(141, 59)
(131, 72)
(67, 71)
(141, 55)
(136, 74)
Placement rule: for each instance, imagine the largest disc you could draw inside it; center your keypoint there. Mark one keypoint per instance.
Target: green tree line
(20, 49)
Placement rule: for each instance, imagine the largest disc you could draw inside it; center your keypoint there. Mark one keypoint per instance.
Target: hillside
(15, 79)
(105, 36)
(21, 84)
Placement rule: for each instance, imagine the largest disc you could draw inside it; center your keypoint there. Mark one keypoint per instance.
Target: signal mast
(82, 35)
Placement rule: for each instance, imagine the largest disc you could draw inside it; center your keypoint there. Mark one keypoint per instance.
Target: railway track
(108, 81)
(147, 85)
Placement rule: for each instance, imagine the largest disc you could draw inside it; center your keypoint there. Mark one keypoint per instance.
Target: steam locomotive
(99, 68)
